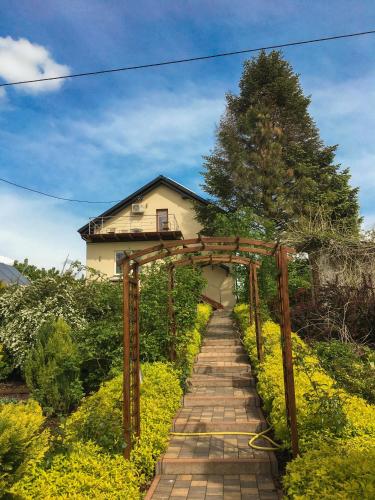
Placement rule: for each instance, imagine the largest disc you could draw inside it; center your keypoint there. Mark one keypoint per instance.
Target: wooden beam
(126, 355)
(258, 325)
(171, 314)
(286, 345)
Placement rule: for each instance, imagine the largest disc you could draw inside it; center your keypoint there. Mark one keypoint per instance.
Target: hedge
(85, 472)
(90, 463)
(21, 439)
(325, 413)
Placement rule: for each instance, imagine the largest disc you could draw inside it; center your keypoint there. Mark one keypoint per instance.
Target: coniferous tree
(269, 156)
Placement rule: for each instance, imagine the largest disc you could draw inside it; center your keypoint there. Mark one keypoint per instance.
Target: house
(9, 275)
(161, 210)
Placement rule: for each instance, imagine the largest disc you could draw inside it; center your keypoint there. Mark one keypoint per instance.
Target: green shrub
(84, 472)
(351, 365)
(155, 338)
(6, 366)
(24, 309)
(21, 440)
(323, 410)
(52, 369)
(336, 430)
(189, 345)
(336, 470)
(100, 351)
(99, 418)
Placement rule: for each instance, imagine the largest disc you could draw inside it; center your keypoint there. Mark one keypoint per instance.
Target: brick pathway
(221, 398)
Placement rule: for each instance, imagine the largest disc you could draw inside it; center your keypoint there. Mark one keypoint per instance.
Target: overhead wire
(158, 64)
(52, 195)
(190, 59)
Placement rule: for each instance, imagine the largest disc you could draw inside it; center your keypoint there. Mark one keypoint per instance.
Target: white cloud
(344, 114)
(22, 60)
(156, 128)
(40, 229)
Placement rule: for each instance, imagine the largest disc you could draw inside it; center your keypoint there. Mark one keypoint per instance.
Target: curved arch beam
(213, 244)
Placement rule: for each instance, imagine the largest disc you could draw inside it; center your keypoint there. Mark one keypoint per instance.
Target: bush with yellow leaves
(329, 419)
(84, 472)
(21, 440)
(99, 418)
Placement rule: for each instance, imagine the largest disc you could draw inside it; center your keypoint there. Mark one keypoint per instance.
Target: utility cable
(190, 59)
(52, 195)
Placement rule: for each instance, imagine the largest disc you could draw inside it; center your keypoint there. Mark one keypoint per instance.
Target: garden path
(221, 397)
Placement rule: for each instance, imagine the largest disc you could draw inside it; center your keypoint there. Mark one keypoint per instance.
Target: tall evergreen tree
(269, 156)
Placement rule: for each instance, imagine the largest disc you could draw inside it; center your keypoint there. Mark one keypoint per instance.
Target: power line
(52, 195)
(190, 59)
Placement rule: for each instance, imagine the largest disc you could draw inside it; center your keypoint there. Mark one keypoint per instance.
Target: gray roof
(10, 275)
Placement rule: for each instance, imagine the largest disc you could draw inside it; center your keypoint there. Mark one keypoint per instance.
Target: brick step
(220, 342)
(225, 356)
(219, 418)
(235, 349)
(251, 399)
(221, 380)
(258, 465)
(218, 369)
(229, 486)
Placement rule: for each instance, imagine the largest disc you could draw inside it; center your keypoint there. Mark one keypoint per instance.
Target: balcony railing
(133, 224)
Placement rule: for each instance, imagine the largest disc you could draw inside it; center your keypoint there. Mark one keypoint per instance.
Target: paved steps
(221, 398)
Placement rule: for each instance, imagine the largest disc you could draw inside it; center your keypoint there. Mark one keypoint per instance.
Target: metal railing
(133, 224)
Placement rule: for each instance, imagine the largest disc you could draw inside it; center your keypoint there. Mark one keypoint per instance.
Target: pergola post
(136, 358)
(286, 345)
(126, 355)
(131, 372)
(171, 314)
(251, 300)
(258, 326)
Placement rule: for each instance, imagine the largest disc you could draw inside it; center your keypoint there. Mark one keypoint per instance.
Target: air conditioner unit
(138, 208)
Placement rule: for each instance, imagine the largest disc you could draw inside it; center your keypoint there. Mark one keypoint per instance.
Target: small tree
(52, 369)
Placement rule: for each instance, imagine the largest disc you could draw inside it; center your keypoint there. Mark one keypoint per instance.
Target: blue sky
(101, 138)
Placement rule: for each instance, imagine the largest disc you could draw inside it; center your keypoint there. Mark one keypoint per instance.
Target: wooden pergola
(199, 251)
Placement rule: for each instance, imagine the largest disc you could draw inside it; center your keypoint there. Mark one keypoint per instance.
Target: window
(118, 256)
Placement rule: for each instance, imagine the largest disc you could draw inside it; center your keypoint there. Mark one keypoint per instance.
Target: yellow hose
(255, 436)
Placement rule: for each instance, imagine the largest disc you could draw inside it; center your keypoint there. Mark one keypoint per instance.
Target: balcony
(133, 228)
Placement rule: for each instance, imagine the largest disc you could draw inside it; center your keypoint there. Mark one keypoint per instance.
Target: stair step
(228, 380)
(251, 399)
(258, 465)
(223, 349)
(227, 356)
(221, 368)
(219, 418)
(221, 342)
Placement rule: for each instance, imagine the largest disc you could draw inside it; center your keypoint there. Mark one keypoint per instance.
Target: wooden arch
(202, 250)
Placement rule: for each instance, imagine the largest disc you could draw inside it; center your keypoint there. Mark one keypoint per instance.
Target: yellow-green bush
(342, 470)
(321, 407)
(336, 430)
(99, 418)
(21, 440)
(188, 350)
(84, 472)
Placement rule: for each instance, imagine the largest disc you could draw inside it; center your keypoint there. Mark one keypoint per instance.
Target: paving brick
(221, 397)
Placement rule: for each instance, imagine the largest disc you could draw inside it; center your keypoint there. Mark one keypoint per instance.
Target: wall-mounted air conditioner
(138, 208)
